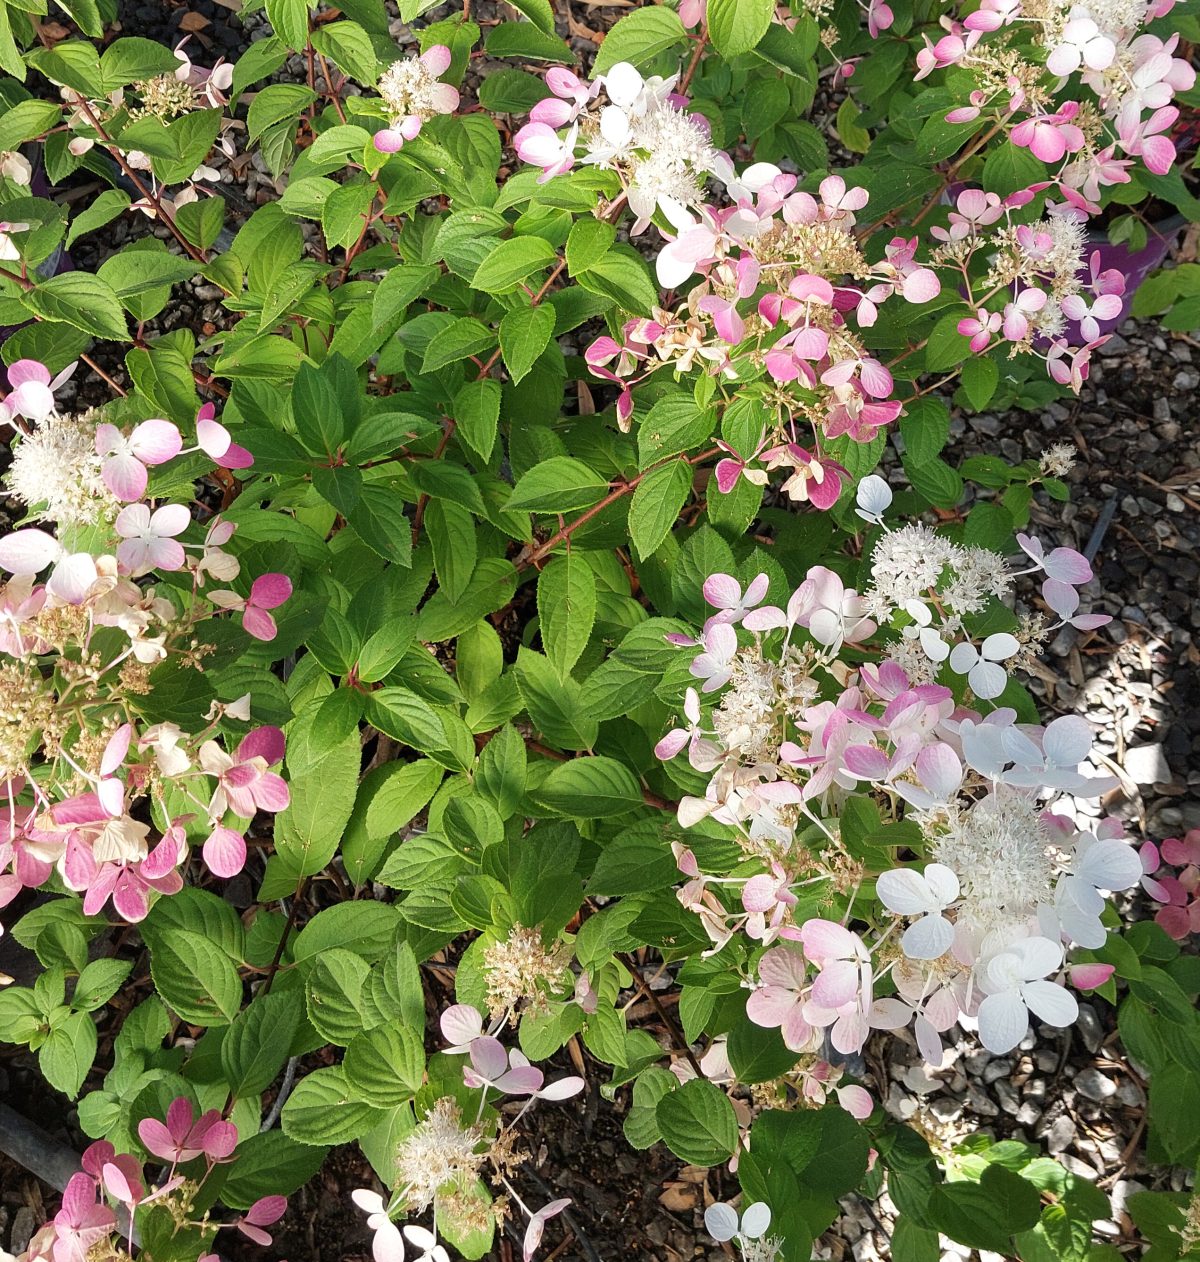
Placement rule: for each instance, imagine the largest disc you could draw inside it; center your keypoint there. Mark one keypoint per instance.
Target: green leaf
(987, 1214)
(622, 274)
(99, 981)
(633, 865)
(28, 120)
(451, 531)
(289, 18)
(656, 505)
(511, 262)
(67, 1054)
(527, 42)
(333, 991)
(947, 347)
(323, 1110)
(477, 412)
(525, 332)
(586, 788)
(935, 480)
(639, 37)
(385, 1066)
(465, 337)
(389, 797)
(925, 428)
(380, 522)
(554, 704)
(566, 600)
(980, 377)
(349, 47)
(557, 485)
(258, 1042)
(269, 1163)
(345, 214)
(308, 831)
(399, 287)
(589, 241)
(81, 300)
(673, 425)
(698, 1123)
(736, 26)
(539, 12)
(195, 977)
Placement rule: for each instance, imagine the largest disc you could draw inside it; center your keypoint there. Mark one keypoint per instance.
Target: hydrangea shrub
(500, 602)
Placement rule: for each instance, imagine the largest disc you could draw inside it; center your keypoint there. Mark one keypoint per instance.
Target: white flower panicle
(56, 471)
(410, 89)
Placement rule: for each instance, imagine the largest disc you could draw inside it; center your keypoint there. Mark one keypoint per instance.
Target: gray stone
(1061, 1134)
(1147, 764)
(1092, 1084)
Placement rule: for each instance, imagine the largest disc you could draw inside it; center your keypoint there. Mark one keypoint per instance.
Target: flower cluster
(441, 1159)
(795, 731)
(1132, 74)
(86, 1225)
(412, 94)
(81, 771)
(1178, 891)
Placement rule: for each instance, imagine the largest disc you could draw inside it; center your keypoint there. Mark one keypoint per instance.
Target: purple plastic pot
(1134, 265)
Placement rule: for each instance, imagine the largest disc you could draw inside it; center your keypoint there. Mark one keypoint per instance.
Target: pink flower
(779, 1002)
(31, 390)
(724, 593)
(1089, 976)
(126, 459)
(1105, 307)
(571, 94)
(537, 1224)
(461, 1024)
(1016, 313)
(980, 327)
(184, 1137)
(439, 98)
(879, 17)
(82, 1222)
(268, 591)
(541, 146)
(265, 1211)
(224, 851)
(1050, 137)
(715, 664)
(148, 539)
(492, 1067)
(816, 479)
(244, 783)
(213, 439)
(1143, 138)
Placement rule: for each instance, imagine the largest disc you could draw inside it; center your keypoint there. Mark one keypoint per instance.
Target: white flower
(1081, 43)
(909, 893)
(426, 1241)
(1066, 743)
(922, 630)
(980, 665)
(715, 664)
(388, 1244)
(1100, 864)
(721, 1221)
(873, 497)
(1013, 985)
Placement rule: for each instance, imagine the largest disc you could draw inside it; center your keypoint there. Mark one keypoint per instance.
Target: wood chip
(678, 1197)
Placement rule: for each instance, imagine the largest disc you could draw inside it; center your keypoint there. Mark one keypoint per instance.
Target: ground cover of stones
(1135, 509)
